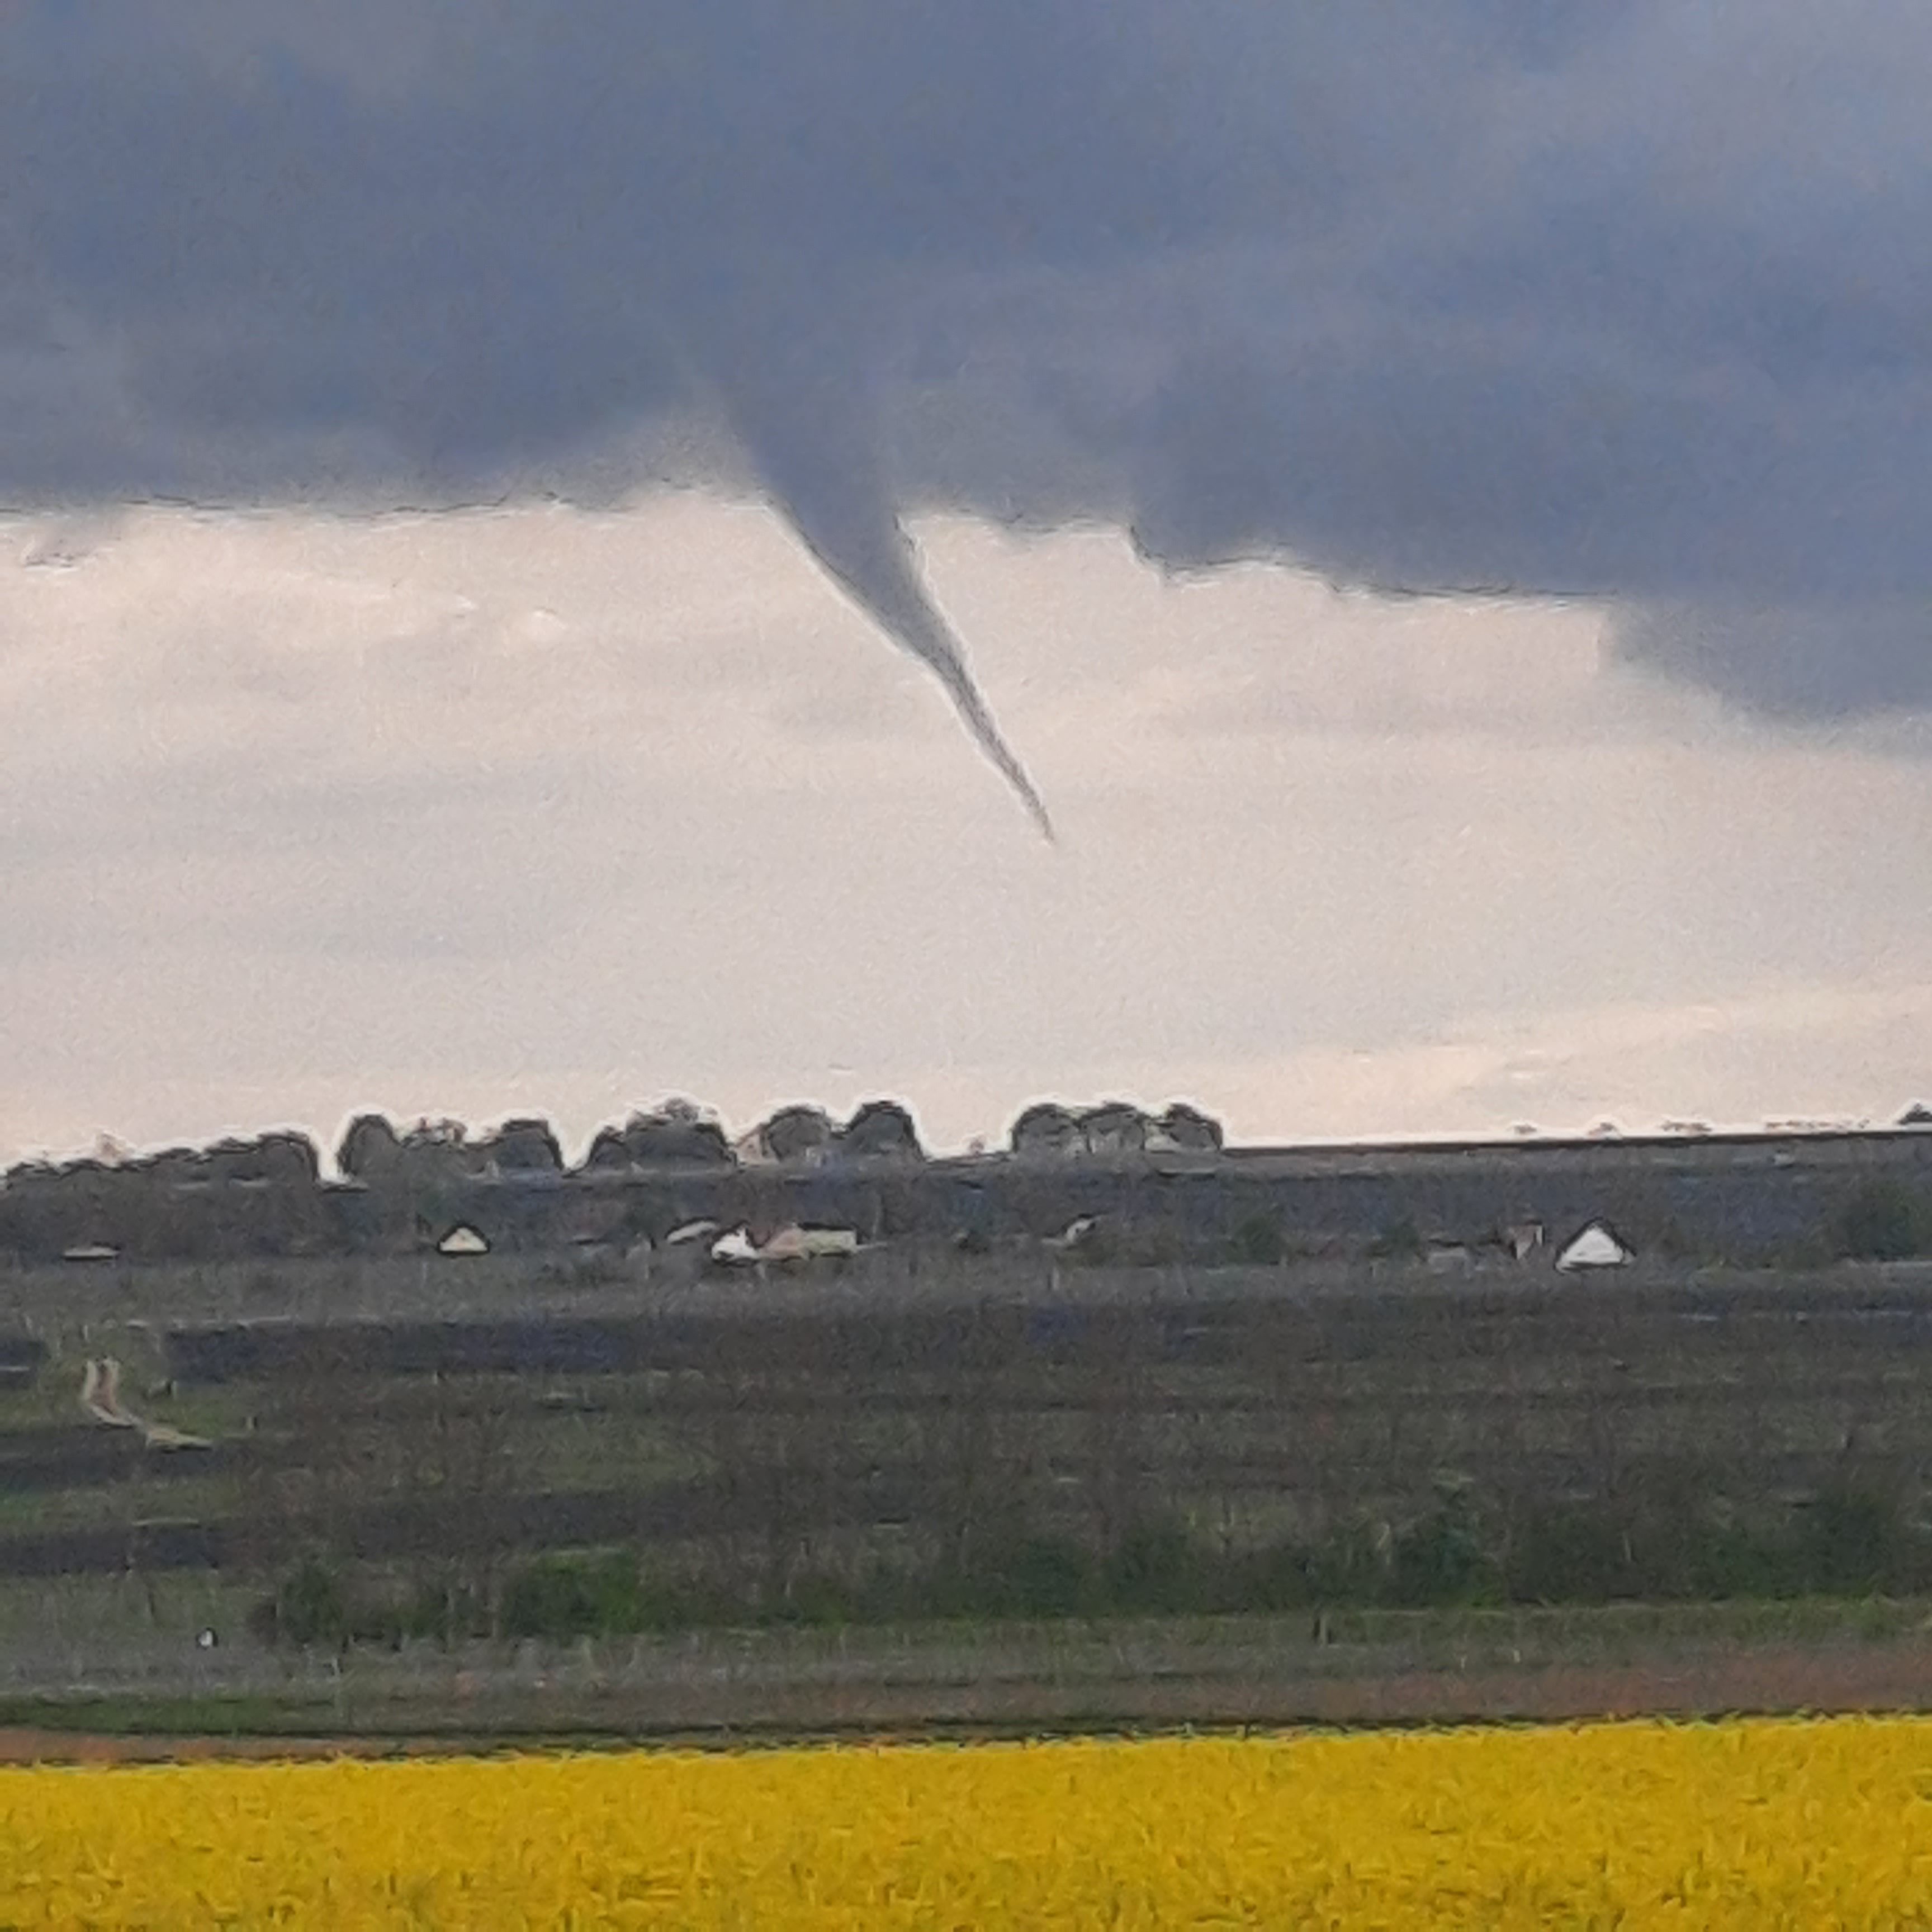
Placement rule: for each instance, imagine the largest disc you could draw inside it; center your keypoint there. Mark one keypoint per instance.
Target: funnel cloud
(810, 429)
(1625, 300)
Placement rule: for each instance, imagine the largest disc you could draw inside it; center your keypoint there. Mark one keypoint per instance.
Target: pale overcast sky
(605, 791)
(556, 810)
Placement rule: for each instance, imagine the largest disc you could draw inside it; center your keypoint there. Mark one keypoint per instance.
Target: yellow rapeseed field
(1811, 1825)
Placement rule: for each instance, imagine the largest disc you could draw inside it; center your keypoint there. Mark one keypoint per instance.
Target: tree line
(267, 1196)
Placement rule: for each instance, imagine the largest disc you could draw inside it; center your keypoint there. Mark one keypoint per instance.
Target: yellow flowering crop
(1808, 1824)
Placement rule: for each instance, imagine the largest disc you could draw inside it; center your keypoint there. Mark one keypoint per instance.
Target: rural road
(715, 1689)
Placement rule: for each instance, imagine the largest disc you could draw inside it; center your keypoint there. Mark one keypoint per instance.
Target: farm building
(1595, 1247)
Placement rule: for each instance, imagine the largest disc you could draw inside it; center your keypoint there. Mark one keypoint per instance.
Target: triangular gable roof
(1596, 1246)
(463, 1240)
(736, 1247)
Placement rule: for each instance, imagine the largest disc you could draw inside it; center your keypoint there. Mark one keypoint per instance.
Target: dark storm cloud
(1626, 298)
(1830, 663)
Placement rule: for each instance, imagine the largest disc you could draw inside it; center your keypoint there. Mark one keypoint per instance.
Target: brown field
(808, 1417)
(755, 1432)
(1373, 1668)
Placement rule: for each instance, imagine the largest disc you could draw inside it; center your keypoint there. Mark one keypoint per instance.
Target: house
(735, 1249)
(797, 1244)
(463, 1240)
(741, 1249)
(1595, 1247)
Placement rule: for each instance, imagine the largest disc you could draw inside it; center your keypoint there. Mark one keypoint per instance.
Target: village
(668, 1193)
(457, 1399)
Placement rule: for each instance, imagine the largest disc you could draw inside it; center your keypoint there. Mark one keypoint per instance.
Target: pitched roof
(1596, 1246)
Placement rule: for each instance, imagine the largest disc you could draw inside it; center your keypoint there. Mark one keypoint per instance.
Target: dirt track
(1889, 1677)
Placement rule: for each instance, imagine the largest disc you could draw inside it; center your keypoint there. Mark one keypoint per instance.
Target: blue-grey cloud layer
(1631, 298)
